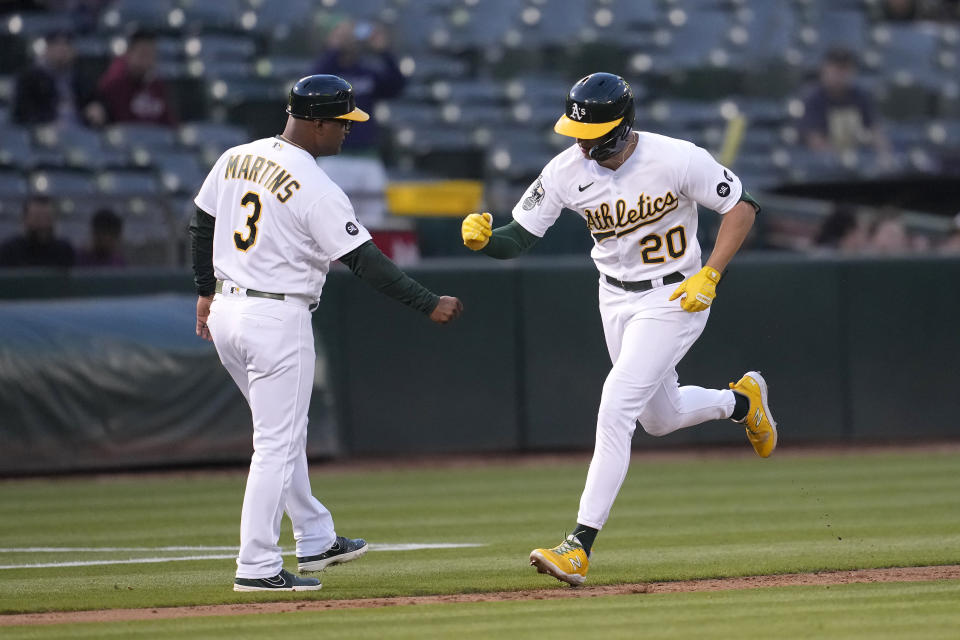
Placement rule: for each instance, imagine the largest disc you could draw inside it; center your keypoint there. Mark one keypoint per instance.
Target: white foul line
(409, 546)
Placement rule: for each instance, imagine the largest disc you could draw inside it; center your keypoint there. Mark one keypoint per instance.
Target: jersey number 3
(253, 219)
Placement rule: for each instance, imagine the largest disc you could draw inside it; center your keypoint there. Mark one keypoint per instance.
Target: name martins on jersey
(603, 224)
(274, 176)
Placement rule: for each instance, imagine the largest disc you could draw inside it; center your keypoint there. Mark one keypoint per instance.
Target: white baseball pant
(647, 335)
(267, 346)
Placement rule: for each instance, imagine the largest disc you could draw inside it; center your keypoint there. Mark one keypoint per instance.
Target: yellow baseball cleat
(567, 562)
(760, 425)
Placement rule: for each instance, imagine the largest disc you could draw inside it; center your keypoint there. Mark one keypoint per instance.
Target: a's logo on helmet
(577, 113)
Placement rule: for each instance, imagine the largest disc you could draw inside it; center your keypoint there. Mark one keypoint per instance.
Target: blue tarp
(120, 383)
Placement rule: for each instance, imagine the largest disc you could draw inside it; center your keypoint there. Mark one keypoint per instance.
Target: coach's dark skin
(317, 137)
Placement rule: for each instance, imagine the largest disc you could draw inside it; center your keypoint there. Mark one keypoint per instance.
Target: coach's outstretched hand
(698, 290)
(476, 230)
(446, 310)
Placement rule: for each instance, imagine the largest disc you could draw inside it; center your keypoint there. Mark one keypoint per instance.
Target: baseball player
(638, 193)
(268, 224)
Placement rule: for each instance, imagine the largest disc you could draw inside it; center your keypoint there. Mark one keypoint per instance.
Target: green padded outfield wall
(903, 320)
(854, 349)
(407, 385)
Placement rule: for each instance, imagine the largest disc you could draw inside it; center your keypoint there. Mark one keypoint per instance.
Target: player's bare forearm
(733, 231)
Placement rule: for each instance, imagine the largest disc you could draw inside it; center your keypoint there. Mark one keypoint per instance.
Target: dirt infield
(902, 574)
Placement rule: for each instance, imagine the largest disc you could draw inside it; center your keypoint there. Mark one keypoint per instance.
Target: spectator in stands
(890, 236)
(900, 10)
(50, 91)
(951, 243)
(906, 10)
(83, 13)
(37, 247)
(838, 115)
(842, 230)
(106, 228)
(360, 53)
(130, 88)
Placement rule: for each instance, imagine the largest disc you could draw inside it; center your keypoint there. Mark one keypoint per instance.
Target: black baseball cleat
(283, 581)
(343, 550)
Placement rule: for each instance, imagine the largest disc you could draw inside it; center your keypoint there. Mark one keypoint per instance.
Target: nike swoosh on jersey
(584, 187)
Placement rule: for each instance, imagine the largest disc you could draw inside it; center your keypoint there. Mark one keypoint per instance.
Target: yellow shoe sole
(543, 565)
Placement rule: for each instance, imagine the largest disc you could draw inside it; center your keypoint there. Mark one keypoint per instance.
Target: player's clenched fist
(698, 290)
(476, 230)
(446, 310)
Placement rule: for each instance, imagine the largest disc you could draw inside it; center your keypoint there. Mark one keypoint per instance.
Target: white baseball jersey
(643, 216)
(280, 220)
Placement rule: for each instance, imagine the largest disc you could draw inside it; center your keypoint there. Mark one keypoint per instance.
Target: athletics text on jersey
(643, 216)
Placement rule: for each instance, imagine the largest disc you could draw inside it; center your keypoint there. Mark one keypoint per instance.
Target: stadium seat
(286, 26)
(12, 185)
(179, 171)
(400, 112)
(197, 135)
(127, 183)
(228, 69)
(280, 67)
(14, 143)
(833, 28)
(478, 91)
(558, 23)
(206, 15)
(210, 47)
(432, 66)
(153, 15)
(81, 147)
(636, 15)
(63, 183)
(29, 24)
(134, 135)
(363, 9)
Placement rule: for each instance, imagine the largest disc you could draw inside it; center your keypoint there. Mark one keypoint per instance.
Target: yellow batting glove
(698, 290)
(476, 230)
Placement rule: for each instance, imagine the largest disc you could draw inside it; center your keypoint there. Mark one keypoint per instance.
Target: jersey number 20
(652, 244)
(242, 243)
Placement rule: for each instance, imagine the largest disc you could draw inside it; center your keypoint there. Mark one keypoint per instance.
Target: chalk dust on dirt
(899, 574)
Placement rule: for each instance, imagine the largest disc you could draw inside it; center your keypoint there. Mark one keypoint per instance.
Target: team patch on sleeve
(535, 195)
(352, 229)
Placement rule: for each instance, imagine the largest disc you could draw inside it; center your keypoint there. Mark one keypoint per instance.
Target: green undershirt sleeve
(201, 245)
(369, 264)
(746, 197)
(509, 241)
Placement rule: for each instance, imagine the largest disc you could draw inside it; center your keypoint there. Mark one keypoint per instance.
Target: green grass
(673, 520)
(868, 611)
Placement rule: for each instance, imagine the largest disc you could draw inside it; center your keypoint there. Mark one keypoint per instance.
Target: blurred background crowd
(841, 116)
